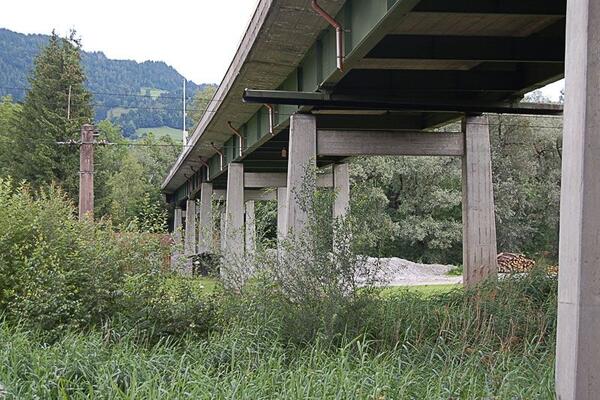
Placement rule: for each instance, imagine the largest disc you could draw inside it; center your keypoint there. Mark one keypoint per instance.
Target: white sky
(197, 37)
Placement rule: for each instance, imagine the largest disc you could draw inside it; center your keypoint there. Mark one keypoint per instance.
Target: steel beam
(504, 7)
(471, 48)
(327, 100)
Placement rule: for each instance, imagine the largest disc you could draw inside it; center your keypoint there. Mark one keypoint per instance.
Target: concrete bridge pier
(205, 219)
(234, 213)
(578, 335)
(479, 216)
(341, 204)
(250, 228)
(177, 235)
(190, 234)
(301, 178)
(341, 183)
(281, 217)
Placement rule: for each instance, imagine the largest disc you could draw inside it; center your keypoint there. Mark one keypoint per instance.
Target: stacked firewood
(552, 270)
(514, 263)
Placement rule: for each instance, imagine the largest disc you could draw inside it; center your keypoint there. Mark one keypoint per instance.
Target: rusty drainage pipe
(339, 33)
(271, 118)
(207, 167)
(239, 135)
(220, 154)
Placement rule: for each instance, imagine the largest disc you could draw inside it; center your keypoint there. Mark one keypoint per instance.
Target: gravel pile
(400, 272)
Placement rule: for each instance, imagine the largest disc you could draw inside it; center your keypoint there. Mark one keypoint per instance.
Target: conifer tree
(43, 119)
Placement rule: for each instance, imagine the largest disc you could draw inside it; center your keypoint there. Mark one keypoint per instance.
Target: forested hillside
(131, 94)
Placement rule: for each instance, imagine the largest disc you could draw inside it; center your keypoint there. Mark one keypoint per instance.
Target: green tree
(134, 188)
(201, 102)
(108, 160)
(8, 116)
(43, 119)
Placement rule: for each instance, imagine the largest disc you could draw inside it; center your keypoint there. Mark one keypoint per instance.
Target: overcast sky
(197, 37)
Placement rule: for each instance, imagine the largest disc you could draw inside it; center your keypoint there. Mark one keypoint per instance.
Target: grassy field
(209, 285)
(161, 131)
(153, 92)
(116, 112)
(426, 290)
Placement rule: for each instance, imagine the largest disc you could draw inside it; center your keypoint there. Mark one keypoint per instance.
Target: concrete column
(177, 236)
(281, 218)
(190, 233)
(177, 225)
(205, 218)
(341, 206)
(281, 213)
(341, 182)
(301, 179)
(479, 220)
(222, 230)
(250, 228)
(234, 212)
(578, 335)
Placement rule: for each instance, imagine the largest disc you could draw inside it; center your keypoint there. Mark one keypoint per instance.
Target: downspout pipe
(271, 118)
(207, 166)
(239, 135)
(220, 154)
(339, 33)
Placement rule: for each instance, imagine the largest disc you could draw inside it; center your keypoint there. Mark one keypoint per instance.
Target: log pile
(552, 270)
(514, 263)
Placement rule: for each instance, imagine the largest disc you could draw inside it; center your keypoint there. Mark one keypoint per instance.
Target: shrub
(59, 273)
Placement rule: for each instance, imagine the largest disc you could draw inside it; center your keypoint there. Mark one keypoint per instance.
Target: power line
(118, 94)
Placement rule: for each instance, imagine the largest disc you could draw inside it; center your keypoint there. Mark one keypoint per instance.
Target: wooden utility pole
(86, 173)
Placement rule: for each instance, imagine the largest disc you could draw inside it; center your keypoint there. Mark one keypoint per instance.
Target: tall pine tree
(36, 158)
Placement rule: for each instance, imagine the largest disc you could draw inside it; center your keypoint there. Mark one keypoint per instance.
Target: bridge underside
(410, 68)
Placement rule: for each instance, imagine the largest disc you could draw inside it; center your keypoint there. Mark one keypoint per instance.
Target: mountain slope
(135, 95)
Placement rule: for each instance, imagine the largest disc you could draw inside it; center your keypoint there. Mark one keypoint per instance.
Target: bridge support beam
(479, 223)
(234, 213)
(301, 179)
(205, 219)
(190, 234)
(578, 336)
(250, 228)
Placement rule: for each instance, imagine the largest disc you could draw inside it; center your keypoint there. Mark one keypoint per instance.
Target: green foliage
(424, 194)
(108, 80)
(201, 102)
(527, 156)
(44, 118)
(424, 201)
(88, 313)
(9, 111)
(128, 179)
(59, 273)
(495, 343)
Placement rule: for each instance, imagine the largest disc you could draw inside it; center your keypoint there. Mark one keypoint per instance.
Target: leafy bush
(59, 273)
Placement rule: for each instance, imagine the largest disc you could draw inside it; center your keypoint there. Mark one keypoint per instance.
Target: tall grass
(237, 365)
(493, 343)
